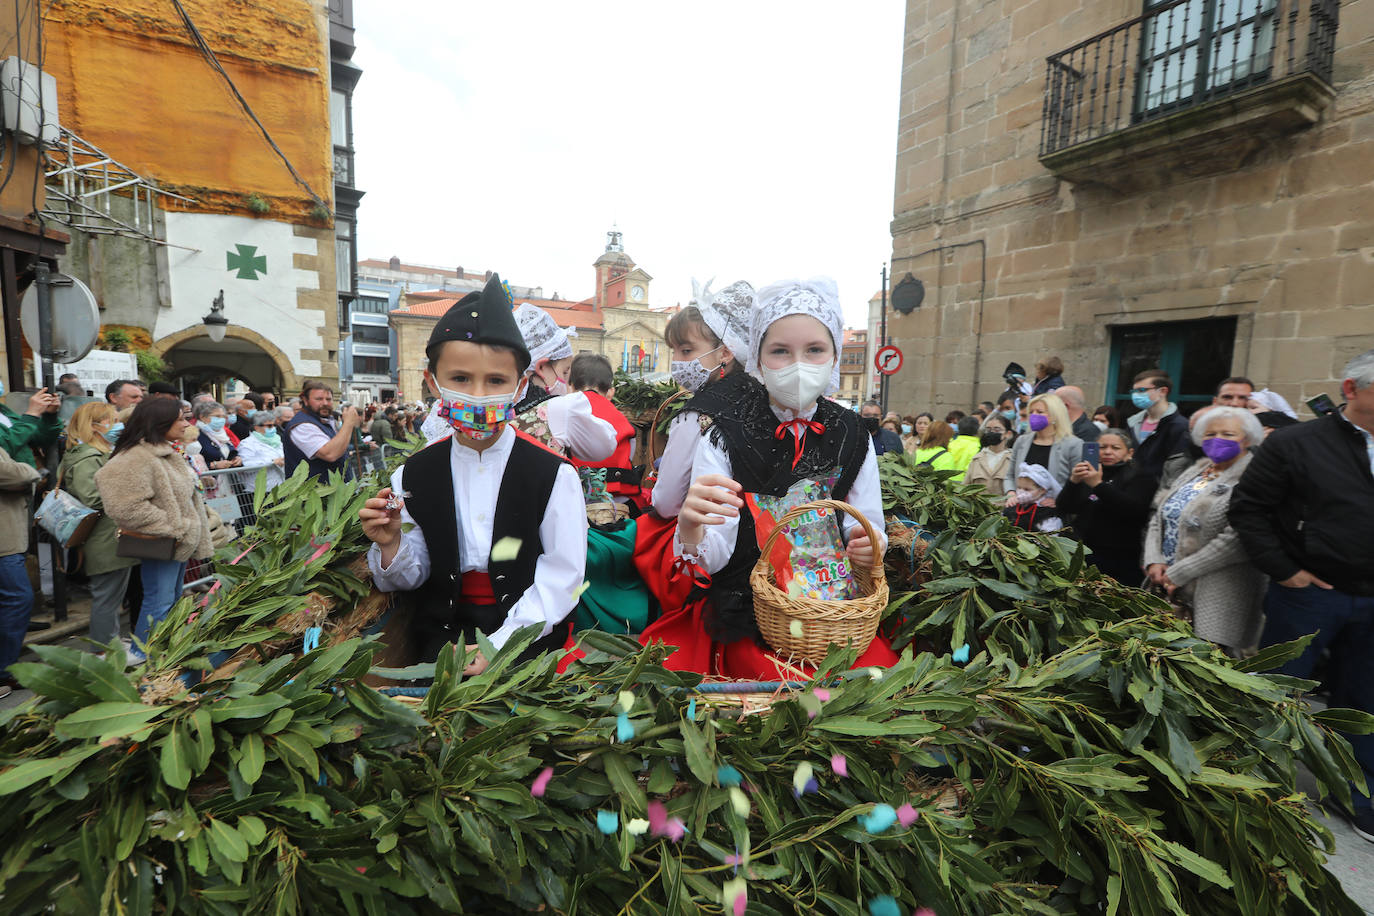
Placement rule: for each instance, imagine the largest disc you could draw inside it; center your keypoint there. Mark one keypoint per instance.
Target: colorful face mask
(476, 418)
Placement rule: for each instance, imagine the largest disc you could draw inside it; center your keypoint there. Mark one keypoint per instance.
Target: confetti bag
(808, 558)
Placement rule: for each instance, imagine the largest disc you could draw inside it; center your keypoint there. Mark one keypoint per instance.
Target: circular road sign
(888, 359)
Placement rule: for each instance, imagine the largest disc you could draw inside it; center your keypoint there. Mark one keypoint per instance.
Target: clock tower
(619, 283)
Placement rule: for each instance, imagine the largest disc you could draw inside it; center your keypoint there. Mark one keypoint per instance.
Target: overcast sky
(740, 140)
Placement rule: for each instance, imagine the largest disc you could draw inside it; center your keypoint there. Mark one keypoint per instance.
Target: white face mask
(1100, 425)
(192, 448)
(690, 373)
(798, 385)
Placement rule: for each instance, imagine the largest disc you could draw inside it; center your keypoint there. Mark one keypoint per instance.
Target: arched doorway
(243, 354)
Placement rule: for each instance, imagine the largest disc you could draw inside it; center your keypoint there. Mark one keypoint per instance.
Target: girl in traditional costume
(776, 443)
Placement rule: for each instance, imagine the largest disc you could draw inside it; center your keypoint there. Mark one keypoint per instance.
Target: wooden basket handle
(834, 505)
(658, 418)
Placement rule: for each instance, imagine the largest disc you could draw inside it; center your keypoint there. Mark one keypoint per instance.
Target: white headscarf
(1041, 476)
(543, 337)
(1272, 400)
(817, 297)
(729, 314)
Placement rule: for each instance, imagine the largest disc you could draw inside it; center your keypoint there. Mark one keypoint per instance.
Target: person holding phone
(1108, 501)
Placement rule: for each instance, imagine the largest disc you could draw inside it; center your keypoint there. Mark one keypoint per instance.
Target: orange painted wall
(21, 163)
(131, 82)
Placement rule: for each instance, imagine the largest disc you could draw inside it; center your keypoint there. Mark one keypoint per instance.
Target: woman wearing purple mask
(1191, 550)
(1050, 442)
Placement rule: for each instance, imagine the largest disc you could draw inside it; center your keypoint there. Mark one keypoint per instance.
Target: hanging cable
(209, 55)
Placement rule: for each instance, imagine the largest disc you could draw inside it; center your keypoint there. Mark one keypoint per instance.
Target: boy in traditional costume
(487, 526)
(778, 443)
(614, 478)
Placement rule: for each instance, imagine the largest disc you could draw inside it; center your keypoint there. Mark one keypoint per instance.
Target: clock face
(637, 293)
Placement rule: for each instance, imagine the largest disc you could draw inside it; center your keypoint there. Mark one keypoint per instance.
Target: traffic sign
(888, 359)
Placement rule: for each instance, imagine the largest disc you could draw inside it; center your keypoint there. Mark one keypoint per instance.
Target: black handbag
(135, 546)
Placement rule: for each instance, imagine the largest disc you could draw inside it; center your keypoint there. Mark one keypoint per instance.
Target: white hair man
(1074, 404)
(1302, 512)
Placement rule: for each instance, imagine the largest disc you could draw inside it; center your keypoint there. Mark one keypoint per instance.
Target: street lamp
(215, 322)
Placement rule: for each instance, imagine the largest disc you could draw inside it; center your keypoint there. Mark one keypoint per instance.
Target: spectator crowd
(148, 465)
(1256, 526)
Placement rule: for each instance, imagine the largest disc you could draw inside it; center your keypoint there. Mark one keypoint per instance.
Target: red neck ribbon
(798, 429)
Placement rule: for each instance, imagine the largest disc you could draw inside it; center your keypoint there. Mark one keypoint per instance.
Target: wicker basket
(658, 441)
(823, 623)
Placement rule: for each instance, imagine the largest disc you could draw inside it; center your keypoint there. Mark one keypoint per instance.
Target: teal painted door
(1195, 354)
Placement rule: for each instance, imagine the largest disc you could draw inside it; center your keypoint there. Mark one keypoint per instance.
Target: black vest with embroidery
(745, 426)
(521, 501)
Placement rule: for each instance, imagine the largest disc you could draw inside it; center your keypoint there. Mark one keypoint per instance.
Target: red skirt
(742, 660)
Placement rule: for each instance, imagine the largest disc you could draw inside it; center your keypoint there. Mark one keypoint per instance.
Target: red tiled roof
(561, 311)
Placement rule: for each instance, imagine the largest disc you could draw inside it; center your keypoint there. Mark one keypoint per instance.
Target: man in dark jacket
(884, 440)
(1159, 428)
(1304, 510)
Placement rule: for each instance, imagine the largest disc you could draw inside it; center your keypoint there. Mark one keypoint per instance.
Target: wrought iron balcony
(1186, 69)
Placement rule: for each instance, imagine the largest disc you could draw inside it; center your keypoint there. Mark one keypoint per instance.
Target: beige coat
(1210, 565)
(150, 489)
(16, 504)
(989, 468)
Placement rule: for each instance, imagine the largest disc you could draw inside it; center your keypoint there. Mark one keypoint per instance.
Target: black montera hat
(483, 317)
(1013, 369)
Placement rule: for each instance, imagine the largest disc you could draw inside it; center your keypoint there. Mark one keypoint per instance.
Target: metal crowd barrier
(229, 491)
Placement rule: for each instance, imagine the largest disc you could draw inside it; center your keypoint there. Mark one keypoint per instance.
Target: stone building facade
(1128, 183)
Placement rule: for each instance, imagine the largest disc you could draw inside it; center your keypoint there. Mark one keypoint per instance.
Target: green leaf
(252, 757)
(175, 759)
(1350, 721)
(106, 720)
(698, 756)
(249, 707)
(295, 751)
(29, 772)
(226, 842)
(1204, 868)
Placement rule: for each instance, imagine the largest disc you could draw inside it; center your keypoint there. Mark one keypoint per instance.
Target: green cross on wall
(247, 262)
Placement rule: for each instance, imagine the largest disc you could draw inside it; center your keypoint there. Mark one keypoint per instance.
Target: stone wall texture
(1283, 240)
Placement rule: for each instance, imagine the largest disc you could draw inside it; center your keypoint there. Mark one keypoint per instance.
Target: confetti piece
(794, 589)
(580, 589)
(736, 859)
(822, 694)
(624, 728)
(735, 895)
(627, 700)
(658, 817)
(541, 782)
(320, 550)
(812, 785)
(795, 628)
(907, 815)
(739, 802)
(879, 819)
(505, 550)
(637, 826)
(810, 704)
(875, 673)
(883, 905)
(924, 911)
(675, 829)
(960, 655)
(727, 775)
(839, 766)
(607, 822)
(692, 708)
(801, 777)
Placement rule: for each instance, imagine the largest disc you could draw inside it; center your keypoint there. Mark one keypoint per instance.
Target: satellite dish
(75, 318)
(908, 295)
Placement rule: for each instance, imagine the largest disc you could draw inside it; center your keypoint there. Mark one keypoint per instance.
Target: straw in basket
(823, 623)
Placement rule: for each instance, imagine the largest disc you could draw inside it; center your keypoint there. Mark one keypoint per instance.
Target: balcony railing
(1181, 54)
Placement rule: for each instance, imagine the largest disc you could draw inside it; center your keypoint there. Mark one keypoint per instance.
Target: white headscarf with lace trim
(817, 297)
(729, 314)
(543, 337)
